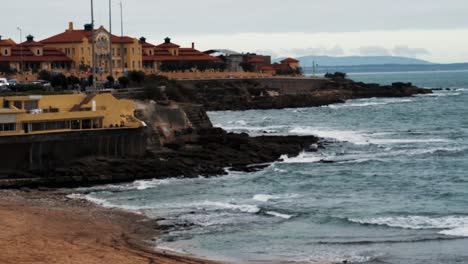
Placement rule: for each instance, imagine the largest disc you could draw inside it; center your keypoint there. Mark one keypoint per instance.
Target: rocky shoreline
(183, 143)
(238, 95)
(209, 155)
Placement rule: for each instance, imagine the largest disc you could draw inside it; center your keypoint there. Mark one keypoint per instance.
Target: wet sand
(47, 227)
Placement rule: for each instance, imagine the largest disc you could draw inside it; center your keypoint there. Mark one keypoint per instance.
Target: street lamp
(21, 49)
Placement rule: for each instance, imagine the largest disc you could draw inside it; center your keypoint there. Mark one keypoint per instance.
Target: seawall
(43, 151)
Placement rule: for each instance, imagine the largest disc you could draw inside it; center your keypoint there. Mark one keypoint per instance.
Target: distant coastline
(387, 68)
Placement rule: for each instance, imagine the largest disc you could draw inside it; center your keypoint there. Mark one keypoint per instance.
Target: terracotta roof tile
(289, 60)
(79, 35)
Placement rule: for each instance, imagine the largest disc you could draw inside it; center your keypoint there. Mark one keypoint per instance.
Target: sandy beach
(43, 227)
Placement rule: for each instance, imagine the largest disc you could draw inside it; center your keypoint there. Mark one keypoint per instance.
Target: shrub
(136, 77)
(72, 80)
(124, 81)
(59, 81)
(110, 79)
(44, 75)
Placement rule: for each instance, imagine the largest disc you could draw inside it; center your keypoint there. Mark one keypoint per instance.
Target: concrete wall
(46, 150)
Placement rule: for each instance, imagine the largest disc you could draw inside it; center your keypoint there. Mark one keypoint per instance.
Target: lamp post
(92, 48)
(21, 50)
(111, 53)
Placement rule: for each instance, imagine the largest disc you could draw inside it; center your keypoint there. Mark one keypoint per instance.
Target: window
(18, 104)
(133, 64)
(125, 51)
(73, 51)
(82, 51)
(139, 51)
(31, 105)
(139, 64)
(133, 51)
(38, 52)
(8, 127)
(118, 52)
(6, 52)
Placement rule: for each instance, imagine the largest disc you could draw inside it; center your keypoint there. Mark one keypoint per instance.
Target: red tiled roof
(187, 54)
(79, 35)
(31, 44)
(147, 45)
(168, 45)
(256, 60)
(289, 60)
(7, 42)
(23, 53)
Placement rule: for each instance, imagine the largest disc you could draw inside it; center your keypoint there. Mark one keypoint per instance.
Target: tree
(5, 67)
(59, 81)
(110, 79)
(44, 75)
(72, 80)
(136, 77)
(124, 81)
(90, 80)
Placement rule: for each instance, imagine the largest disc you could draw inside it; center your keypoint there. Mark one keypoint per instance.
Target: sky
(434, 30)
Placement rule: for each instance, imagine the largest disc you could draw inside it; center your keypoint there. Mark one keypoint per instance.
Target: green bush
(59, 81)
(45, 75)
(72, 80)
(124, 81)
(137, 77)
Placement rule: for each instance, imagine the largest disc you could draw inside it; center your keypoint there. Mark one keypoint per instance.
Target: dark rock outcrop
(209, 156)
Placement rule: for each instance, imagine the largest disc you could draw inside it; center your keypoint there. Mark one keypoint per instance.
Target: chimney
(29, 38)
(70, 26)
(142, 40)
(167, 40)
(193, 45)
(88, 27)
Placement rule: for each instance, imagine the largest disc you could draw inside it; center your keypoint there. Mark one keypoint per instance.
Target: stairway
(197, 116)
(77, 107)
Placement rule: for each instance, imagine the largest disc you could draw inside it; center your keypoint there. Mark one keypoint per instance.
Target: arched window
(38, 52)
(6, 52)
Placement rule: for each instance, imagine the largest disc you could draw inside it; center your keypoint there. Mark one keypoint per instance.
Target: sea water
(396, 190)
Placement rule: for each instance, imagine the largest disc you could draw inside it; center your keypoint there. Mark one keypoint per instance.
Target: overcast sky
(436, 30)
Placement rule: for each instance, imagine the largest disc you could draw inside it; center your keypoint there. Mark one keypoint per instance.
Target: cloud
(372, 51)
(405, 51)
(297, 52)
(399, 50)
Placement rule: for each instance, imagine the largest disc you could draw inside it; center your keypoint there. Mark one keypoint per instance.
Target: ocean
(391, 185)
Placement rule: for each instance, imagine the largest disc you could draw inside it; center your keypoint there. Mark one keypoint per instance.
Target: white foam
(246, 208)
(407, 141)
(458, 232)
(276, 214)
(355, 137)
(356, 103)
(303, 157)
(417, 222)
(263, 197)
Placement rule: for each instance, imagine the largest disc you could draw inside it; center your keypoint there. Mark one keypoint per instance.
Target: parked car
(13, 82)
(4, 82)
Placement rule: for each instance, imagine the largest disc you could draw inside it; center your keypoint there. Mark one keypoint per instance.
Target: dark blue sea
(396, 192)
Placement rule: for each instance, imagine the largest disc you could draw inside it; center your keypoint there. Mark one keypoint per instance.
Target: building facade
(127, 53)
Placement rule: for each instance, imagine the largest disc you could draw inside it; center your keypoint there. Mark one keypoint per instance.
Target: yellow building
(127, 53)
(23, 115)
